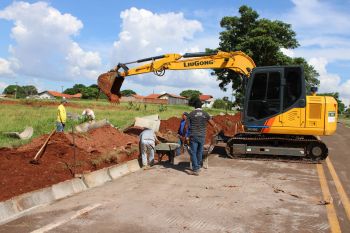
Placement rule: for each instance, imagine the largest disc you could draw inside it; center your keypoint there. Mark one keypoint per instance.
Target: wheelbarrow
(168, 149)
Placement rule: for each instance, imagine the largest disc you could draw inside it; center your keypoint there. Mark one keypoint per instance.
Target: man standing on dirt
(61, 116)
(148, 141)
(198, 120)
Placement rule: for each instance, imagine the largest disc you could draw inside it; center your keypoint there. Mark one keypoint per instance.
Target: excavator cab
(272, 91)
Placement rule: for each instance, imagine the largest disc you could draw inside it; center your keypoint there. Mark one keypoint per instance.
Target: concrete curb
(117, 171)
(7, 209)
(19, 205)
(68, 187)
(96, 178)
(31, 199)
(133, 165)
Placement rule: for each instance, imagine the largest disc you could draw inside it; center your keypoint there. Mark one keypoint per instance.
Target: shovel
(38, 155)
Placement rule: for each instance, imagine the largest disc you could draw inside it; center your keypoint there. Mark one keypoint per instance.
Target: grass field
(15, 117)
(344, 120)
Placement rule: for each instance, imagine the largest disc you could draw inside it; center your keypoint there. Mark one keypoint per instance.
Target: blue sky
(61, 42)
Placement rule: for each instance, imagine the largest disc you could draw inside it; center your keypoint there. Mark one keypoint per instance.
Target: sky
(55, 44)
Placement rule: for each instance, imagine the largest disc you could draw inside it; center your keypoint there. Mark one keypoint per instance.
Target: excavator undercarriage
(306, 147)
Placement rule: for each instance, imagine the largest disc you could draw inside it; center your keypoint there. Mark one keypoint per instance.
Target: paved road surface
(230, 196)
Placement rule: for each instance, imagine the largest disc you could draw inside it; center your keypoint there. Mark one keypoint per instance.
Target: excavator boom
(111, 82)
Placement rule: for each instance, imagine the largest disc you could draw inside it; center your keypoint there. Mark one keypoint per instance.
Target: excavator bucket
(110, 84)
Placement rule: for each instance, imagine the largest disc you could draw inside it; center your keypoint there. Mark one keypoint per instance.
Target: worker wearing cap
(61, 116)
(148, 141)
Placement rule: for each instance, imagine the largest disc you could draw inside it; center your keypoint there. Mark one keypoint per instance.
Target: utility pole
(16, 90)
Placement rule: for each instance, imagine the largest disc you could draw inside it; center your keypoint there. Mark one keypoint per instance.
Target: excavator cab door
(270, 92)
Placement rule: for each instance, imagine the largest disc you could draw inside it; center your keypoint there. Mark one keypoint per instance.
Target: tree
(190, 93)
(220, 104)
(262, 40)
(335, 95)
(127, 92)
(192, 101)
(77, 88)
(347, 112)
(29, 90)
(89, 93)
(15, 90)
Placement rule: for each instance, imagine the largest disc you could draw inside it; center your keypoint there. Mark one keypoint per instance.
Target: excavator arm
(111, 82)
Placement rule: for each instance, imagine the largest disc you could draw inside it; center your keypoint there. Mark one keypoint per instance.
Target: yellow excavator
(278, 117)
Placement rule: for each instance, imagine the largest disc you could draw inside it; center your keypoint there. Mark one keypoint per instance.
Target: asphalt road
(229, 196)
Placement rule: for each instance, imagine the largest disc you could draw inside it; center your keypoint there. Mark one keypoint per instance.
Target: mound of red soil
(230, 124)
(172, 124)
(94, 150)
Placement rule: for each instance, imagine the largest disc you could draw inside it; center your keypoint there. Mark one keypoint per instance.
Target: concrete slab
(31, 199)
(133, 165)
(118, 170)
(7, 209)
(68, 187)
(96, 178)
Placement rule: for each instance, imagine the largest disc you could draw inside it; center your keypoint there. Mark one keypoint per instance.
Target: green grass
(42, 118)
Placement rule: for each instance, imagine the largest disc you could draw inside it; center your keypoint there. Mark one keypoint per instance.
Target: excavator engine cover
(110, 84)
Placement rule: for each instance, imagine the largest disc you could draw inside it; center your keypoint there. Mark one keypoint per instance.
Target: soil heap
(230, 124)
(94, 150)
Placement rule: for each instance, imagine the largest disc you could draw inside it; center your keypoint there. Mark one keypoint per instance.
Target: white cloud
(5, 67)
(44, 46)
(145, 34)
(320, 17)
(330, 82)
(323, 32)
(288, 52)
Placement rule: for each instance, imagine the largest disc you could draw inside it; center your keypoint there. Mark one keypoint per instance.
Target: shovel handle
(43, 146)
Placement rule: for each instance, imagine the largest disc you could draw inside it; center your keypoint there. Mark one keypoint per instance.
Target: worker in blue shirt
(183, 133)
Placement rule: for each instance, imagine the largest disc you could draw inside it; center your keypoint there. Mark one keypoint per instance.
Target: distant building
(152, 96)
(132, 98)
(55, 94)
(207, 101)
(174, 99)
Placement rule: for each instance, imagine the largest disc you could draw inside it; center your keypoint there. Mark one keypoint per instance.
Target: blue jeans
(178, 150)
(59, 127)
(196, 145)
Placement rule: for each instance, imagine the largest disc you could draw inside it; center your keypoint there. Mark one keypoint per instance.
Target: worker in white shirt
(88, 114)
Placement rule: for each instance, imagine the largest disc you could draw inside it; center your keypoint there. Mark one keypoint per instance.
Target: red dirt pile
(172, 124)
(94, 150)
(230, 124)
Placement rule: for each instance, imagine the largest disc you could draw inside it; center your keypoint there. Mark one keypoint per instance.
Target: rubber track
(297, 143)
